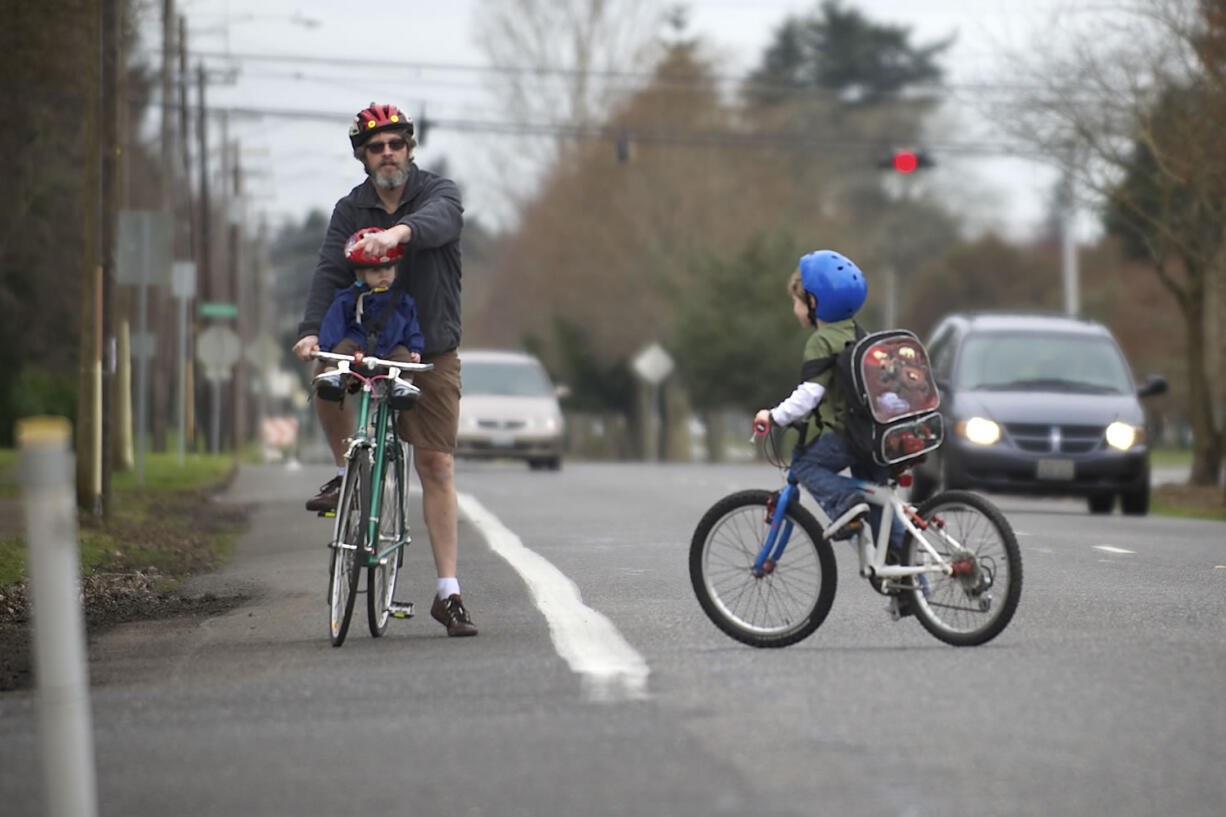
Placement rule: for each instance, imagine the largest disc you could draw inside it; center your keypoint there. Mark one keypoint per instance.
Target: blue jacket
(341, 321)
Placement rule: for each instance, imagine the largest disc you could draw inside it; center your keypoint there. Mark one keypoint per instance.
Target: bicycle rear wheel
(348, 545)
(784, 605)
(381, 575)
(975, 604)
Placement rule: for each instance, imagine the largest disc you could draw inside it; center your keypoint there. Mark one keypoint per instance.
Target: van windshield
(505, 378)
(1031, 361)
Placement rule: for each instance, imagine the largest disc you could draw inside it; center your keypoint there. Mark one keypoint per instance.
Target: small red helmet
(363, 260)
(374, 118)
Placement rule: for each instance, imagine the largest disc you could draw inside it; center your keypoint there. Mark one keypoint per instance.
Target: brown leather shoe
(451, 614)
(329, 494)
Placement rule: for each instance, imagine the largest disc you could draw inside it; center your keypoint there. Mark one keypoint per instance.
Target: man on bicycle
(421, 211)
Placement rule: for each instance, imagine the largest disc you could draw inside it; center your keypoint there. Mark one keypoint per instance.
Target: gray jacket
(430, 268)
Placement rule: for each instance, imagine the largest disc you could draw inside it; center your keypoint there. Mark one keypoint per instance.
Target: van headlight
(1124, 435)
(979, 430)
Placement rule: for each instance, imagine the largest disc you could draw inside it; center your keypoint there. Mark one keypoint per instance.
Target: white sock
(340, 470)
(448, 587)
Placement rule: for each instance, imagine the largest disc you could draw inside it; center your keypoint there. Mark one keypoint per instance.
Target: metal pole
(890, 318)
(142, 369)
(182, 397)
(215, 420)
(58, 622)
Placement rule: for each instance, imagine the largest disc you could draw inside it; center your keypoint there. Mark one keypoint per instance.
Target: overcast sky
(302, 164)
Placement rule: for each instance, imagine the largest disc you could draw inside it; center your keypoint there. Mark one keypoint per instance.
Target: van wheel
(1101, 503)
(1135, 503)
(923, 485)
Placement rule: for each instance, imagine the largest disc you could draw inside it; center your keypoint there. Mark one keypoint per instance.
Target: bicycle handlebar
(371, 360)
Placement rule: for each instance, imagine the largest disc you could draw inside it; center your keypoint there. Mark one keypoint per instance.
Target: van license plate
(1054, 469)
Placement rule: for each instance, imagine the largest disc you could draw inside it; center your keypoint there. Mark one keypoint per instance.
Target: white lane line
(611, 669)
(1110, 549)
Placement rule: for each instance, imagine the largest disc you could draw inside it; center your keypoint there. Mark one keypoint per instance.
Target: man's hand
(415, 357)
(379, 243)
(305, 345)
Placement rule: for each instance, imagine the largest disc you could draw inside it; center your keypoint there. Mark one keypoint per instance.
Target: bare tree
(562, 65)
(1132, 105)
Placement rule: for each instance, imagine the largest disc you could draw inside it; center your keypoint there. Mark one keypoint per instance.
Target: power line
(700, 79)
(794, 142)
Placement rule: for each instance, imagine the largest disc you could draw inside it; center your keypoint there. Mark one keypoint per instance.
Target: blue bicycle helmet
(836, 282)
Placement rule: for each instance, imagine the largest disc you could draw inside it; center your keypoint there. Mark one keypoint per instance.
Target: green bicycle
(371, 529)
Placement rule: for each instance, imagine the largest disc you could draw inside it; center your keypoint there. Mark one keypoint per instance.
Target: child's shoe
(404, 395)
(847, 524)
(328, 386)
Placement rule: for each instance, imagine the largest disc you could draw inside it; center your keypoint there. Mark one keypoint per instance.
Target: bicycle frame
(872, 558)
(367, 436)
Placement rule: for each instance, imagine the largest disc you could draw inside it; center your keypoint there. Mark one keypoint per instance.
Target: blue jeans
(818, 470)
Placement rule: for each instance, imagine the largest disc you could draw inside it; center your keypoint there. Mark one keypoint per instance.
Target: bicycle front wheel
(382, 573)
(976, 603)
(348, 545)
(782, 606)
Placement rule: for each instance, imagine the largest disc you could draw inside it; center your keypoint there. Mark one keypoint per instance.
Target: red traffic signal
(905, 161)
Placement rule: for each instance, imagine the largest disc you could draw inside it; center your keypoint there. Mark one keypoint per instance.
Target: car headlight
(1124, 435)
(545, 423)
(979, 430)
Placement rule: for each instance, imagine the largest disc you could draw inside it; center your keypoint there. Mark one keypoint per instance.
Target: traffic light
(906, 161)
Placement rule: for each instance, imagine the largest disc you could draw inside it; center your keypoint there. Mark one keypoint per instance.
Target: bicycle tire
(779, 608)
(350, 530)
(381, 575)
(973, 608)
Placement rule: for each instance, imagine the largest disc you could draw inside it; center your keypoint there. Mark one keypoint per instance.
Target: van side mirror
(1155, 384)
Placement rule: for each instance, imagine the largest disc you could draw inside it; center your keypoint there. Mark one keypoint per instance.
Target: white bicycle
(763, 568)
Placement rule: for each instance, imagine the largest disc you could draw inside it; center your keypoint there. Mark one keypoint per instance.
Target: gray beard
(391, 182)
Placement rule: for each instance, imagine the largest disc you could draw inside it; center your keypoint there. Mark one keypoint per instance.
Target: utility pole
(1068, 243)
(162, 328)
(187, 414)
(110, 57)
(237, 293)
(204, 267)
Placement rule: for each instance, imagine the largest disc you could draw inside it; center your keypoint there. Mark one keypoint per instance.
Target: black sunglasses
(375, 148)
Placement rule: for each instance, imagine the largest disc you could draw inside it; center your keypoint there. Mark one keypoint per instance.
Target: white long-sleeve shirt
(800, 403)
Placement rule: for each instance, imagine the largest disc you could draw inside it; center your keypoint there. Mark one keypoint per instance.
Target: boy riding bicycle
(827, 290)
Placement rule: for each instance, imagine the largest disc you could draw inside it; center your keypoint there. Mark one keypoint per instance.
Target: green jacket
(827, 341)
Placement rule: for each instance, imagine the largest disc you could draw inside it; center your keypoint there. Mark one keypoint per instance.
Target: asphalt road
(1104, 695)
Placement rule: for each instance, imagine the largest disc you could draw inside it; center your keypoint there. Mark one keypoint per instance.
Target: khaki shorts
(433, 423)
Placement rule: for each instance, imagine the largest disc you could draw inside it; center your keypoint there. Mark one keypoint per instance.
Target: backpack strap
(812, 368)
(376, 329)
(815, 366)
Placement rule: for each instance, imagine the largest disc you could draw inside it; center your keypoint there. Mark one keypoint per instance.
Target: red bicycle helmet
(374, 118)
(361, 259)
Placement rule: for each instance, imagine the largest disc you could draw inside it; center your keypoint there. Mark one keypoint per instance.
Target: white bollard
(60, 668)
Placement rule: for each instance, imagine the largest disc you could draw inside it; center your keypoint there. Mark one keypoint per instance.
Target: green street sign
(217, 309)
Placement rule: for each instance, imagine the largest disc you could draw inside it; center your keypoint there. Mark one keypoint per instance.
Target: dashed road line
(611, 669)
(1112, 549)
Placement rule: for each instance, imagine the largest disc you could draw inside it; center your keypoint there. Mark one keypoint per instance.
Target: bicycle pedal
(401, 609)
(327, 514)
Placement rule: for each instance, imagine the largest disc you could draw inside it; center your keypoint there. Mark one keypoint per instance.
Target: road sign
(183, 279)
(653, 364)
(143, 250)
(217, 349)
(217, 309)
(263, 352)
